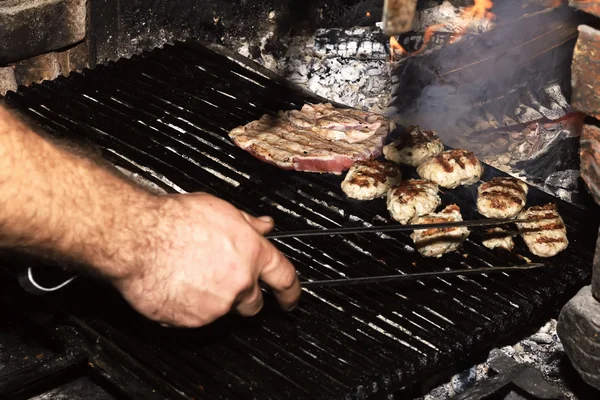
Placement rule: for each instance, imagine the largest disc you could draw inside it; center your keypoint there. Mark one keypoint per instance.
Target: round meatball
(412, 198)
(367, 180)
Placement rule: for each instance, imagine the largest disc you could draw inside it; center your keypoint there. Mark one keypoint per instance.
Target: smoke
(516, 73)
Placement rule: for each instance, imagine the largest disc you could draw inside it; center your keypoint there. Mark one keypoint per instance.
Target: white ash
(543, 350)
(350, 81)
(450, 19)
(365, 43)
(566, 179)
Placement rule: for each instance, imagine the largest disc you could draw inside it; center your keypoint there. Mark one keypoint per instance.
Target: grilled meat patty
(317, 138)
(413, 147)
(412, 198)
(546, 234)
(452, 168)
(498, 237)
(501, 197)
(367, 180)
(437, 241)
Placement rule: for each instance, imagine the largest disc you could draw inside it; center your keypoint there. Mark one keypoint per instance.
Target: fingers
(251, 303)
(262, 225)
(277, 272)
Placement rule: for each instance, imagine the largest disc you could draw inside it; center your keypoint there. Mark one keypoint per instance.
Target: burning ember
(480, 10)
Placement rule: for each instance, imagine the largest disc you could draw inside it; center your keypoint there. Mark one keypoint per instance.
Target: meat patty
(546, 234)
(498, 237)
(412, 198)
(437, 241)
(317, 138)
(452, 168)
(368, 180)
(501, 197)
(413, 147)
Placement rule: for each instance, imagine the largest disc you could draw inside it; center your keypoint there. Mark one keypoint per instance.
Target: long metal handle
(422, 275)
(391, 228)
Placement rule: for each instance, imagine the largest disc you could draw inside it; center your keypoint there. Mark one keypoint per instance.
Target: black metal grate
(165, 115)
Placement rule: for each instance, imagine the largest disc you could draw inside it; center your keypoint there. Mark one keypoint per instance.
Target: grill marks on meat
(452, 168)
(501, 197)
(318, 138)
(412, 198)
(438, 241)
(367, 180)
(413, 147)
(546, 234)
(499, 237)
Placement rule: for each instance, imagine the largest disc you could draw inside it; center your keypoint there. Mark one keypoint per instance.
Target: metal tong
(416, 276)
(396, 228)
(392, 228)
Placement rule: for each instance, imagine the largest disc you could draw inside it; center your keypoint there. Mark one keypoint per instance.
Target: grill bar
(165, 116)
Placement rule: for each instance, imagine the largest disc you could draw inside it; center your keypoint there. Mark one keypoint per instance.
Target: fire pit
(162, 118)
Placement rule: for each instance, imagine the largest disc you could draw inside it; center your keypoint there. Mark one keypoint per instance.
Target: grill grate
(165, 116)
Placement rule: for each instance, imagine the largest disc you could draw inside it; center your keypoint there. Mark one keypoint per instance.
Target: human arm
(181, 260)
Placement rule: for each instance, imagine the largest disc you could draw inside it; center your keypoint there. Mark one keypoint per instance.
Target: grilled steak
(546, 234)
(412, 198)
(413, 147)
(367, 180)
(501, 197)
(437, 241)
(452, 168)
(318, 138)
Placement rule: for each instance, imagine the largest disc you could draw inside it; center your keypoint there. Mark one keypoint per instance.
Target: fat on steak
(501, 197)
(367, 180)
(545, 234)
(318, 138)
(413, 147)
(412, 198)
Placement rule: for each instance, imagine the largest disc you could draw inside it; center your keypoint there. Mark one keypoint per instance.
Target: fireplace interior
(492, 77)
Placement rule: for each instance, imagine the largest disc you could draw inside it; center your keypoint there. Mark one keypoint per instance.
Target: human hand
(205, 258)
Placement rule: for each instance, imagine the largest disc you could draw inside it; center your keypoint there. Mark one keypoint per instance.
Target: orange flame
(479, 10)
(395, 45)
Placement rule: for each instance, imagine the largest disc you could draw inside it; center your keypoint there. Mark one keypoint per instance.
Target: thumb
(262, 225)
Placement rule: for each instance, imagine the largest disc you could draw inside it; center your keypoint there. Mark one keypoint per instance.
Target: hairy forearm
(55, 201)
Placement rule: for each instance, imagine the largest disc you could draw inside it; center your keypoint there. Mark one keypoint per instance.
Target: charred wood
(561, 154)
(516, 73)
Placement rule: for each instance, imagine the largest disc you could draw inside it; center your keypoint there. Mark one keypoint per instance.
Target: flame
(368, 14)
(395, 45)
(479, 10)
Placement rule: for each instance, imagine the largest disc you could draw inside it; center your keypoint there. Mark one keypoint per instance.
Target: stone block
(33, 27)
(579, 331)
(37, 69)
(589, 154)
(585, 73)
(588, 6)
(7, 80)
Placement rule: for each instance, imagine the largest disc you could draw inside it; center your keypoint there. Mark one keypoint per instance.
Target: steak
(318, 138)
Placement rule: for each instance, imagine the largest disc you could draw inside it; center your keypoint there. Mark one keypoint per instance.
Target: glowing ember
(368, 14)
(429, 32)
(396, 46)
(479, 10)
